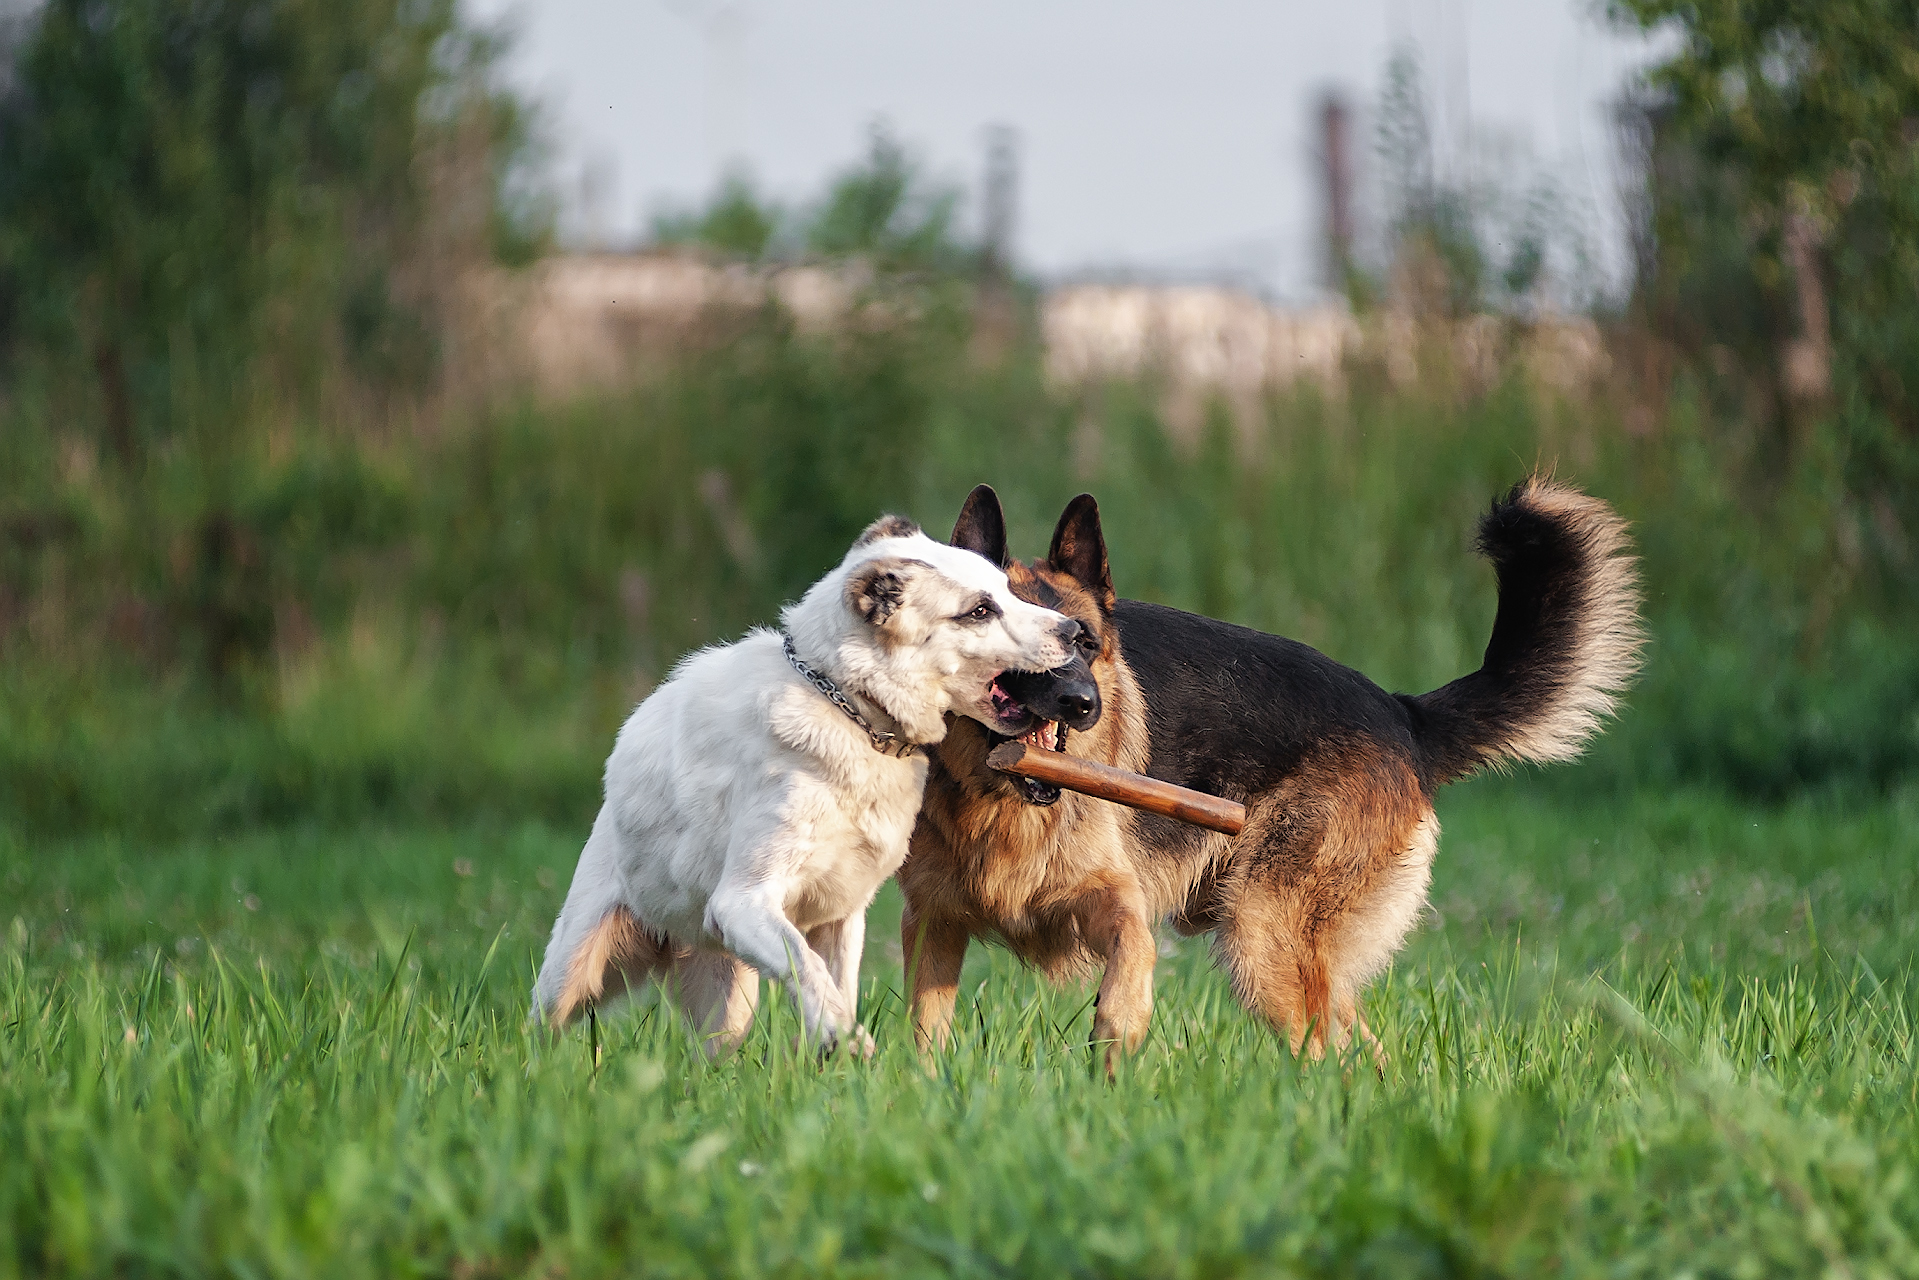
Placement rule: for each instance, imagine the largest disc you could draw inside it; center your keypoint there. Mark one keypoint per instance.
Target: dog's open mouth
(1043, 735)
(1048, 735)
(1006, 708)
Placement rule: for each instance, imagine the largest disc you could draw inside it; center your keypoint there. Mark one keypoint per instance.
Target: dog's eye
(981, 612)
(1088, 641)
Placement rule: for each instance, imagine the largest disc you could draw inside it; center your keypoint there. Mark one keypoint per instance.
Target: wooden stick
(1121, 787)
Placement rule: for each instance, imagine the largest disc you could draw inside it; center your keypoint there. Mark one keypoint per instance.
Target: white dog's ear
(887, 526)
(877, 589)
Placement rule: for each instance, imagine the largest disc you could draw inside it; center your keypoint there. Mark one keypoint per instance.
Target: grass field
(312, 642)
(1667, 1036)
(294, 767)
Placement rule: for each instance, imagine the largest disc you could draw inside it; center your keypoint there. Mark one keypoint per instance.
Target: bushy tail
(1565, 641)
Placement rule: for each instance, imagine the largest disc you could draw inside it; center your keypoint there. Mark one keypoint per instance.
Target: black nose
(1068, 631)
(1076, 703)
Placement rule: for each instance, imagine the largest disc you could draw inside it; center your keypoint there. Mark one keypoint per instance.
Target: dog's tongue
(1003, 704)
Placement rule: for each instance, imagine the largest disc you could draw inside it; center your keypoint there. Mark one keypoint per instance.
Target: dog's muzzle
(1047, 735)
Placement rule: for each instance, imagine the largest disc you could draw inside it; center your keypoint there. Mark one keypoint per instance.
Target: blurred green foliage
(887, 211)
(1504, 240)
(1783, 184)
(736, 223)
(883, 211)
(247, 584)
(1797, 92)
(215, 213)
(460, 621)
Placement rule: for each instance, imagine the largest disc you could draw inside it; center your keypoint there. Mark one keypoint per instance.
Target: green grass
(1670, 1035)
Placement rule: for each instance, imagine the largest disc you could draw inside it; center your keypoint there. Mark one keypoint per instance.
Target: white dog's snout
(1050, 642)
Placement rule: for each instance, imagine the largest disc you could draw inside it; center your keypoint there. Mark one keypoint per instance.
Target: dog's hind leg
(1277, 967)
(841, 944)
(934, 950)
(1351, 1015)
(1389, 901)
(1115, 927)
(718, 993)
(616, 953)
(1283, 958)
(1332, 880)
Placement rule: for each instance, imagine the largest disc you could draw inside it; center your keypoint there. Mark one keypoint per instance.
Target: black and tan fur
(1313, 897)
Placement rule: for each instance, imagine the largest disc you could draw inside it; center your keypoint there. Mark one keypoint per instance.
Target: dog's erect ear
(981, 527)
(877, 589)
(1079, 549)
(886, 527)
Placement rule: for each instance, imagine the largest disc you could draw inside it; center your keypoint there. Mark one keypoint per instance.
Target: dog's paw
(855, 1043)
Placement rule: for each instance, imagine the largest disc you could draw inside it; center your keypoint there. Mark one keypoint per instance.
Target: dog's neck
(922, 730)
(866, 686)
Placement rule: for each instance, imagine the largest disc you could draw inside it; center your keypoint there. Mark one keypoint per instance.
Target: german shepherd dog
(1311, 900)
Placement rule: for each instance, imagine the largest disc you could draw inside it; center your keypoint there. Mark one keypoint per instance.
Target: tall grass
(1669, 1033)
(404, 623)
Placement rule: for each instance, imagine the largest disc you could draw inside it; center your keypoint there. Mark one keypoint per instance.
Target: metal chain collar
(887, 744)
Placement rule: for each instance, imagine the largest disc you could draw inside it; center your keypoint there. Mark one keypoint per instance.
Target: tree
(736, 223)
(200, 198)
(885, 210)
(1786, 207)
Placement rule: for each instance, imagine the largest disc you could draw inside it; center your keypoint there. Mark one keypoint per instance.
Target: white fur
(746, 813)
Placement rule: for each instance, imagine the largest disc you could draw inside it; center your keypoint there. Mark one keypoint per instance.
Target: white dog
(759, 798)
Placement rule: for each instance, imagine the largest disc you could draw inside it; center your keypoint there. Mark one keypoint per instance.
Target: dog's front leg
(1115, 926)
(934, 948)
(841, 944)
(754, 927)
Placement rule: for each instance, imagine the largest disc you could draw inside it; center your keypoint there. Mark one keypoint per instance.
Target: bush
(461, 621)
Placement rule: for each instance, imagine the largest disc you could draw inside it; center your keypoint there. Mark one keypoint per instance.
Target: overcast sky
(1164, 138)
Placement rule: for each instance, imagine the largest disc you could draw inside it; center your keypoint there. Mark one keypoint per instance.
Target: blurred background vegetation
(271, 549)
